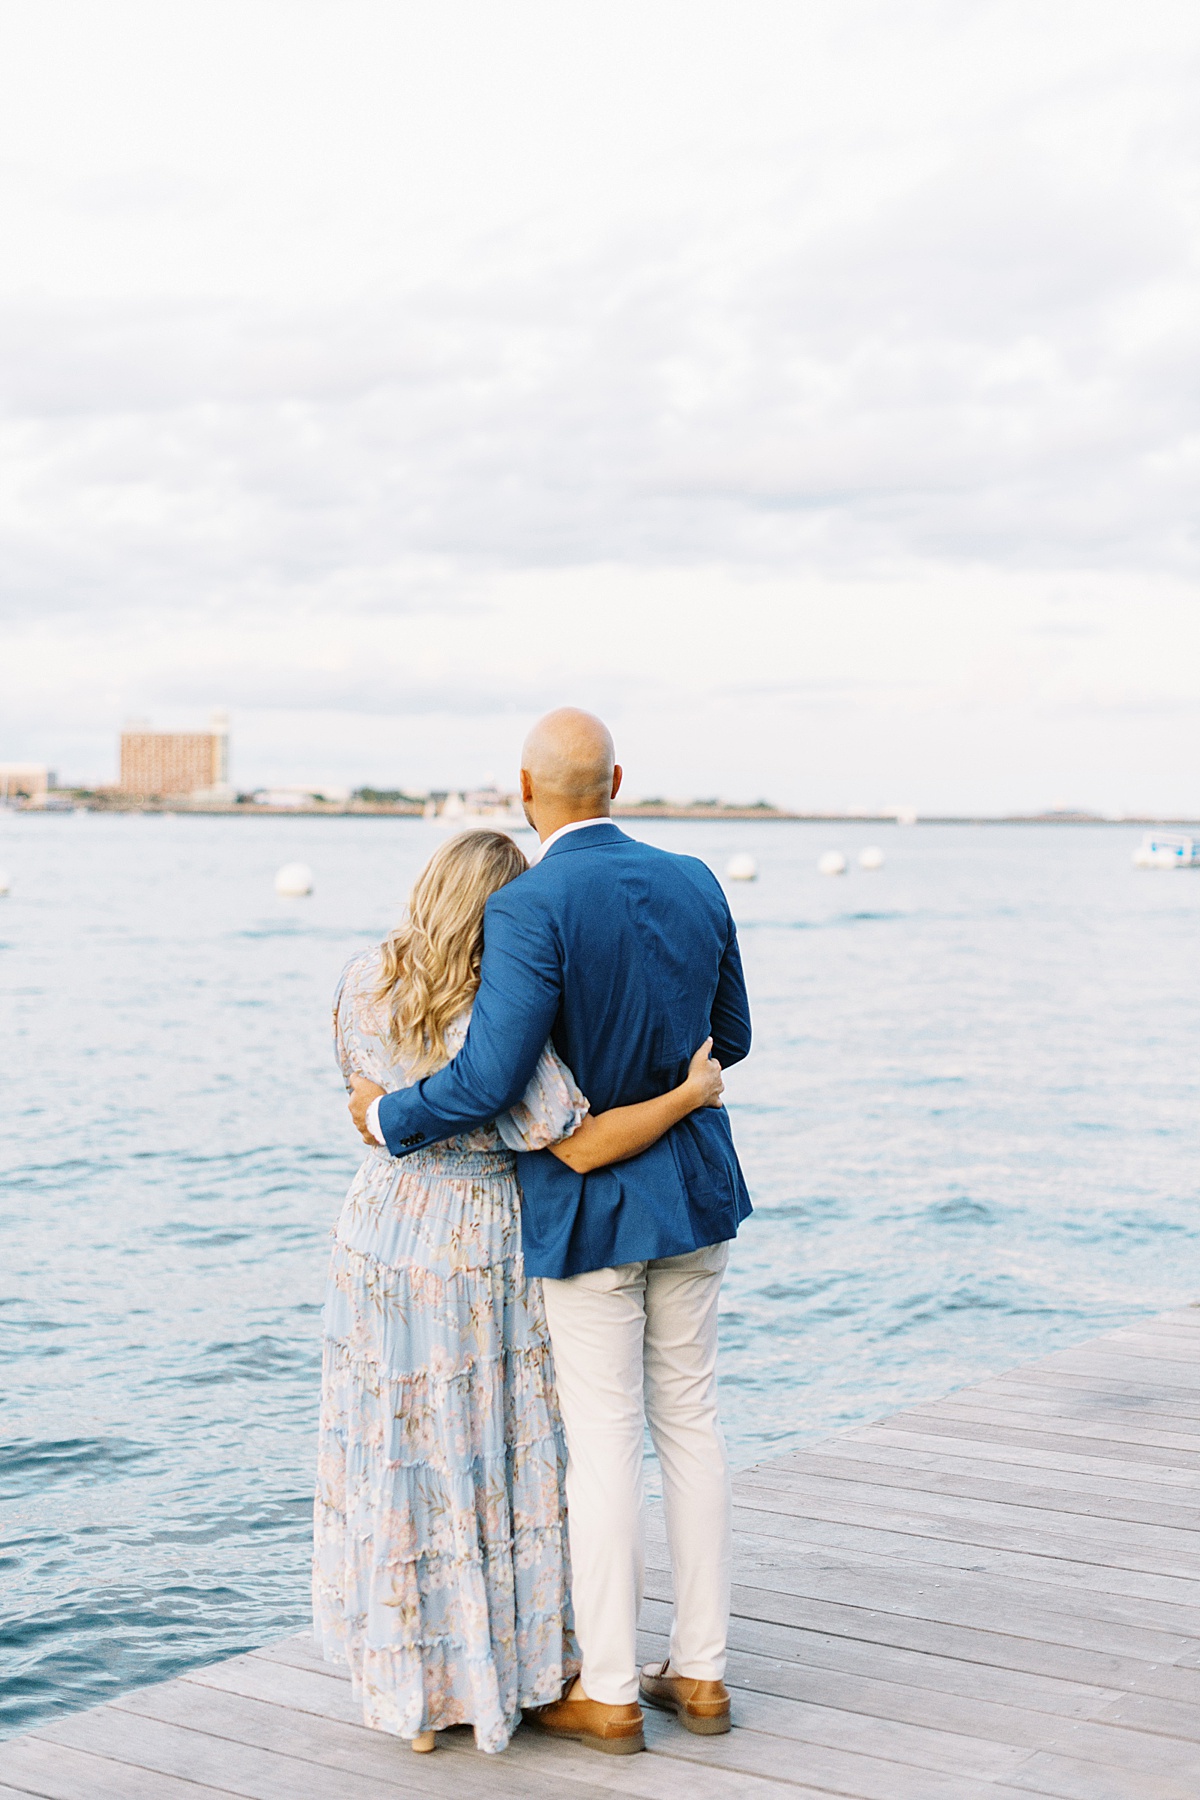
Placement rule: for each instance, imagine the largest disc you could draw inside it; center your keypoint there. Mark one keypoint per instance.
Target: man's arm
(730, 1017)
(515, 1008)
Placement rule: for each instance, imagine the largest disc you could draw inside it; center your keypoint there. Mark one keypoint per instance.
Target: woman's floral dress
(440, 1569)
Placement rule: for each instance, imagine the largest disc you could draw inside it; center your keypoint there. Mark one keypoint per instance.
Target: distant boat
(1167, 850)
(489, 804)
(482, 806)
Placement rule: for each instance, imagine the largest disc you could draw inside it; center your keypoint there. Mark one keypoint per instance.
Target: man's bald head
(567, 767)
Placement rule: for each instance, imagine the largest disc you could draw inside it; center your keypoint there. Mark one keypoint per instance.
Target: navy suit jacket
(626, 957)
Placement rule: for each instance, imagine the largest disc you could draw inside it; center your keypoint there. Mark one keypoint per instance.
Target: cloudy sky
(810, 387)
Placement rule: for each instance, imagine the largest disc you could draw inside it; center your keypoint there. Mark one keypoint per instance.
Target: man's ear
(618, 772)
(526, 786)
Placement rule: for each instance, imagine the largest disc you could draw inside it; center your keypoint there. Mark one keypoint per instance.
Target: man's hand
(362, 1093)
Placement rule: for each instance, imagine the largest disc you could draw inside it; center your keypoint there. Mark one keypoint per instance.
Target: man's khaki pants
(649, 1329)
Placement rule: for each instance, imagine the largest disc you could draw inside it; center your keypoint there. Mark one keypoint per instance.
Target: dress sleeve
(550, 1109)
(341, 1048)
(356, 1024)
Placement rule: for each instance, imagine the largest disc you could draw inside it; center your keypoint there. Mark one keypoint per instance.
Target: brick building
(157, 763)
(27, 781)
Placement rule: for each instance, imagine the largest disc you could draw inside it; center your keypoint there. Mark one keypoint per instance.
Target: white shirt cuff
(373, 1122)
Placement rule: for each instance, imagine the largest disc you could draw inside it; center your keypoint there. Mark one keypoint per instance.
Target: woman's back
(364, 1047)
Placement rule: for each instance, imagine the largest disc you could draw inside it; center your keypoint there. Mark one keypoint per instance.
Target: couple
(473, 1321)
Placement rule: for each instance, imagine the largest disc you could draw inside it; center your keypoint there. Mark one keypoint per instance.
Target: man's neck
(546, 828)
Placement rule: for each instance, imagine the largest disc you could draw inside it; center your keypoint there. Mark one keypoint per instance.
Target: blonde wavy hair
(431, 960)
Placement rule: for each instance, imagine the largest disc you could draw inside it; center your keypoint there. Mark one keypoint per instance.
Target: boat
(481, 806)
(1167, 850)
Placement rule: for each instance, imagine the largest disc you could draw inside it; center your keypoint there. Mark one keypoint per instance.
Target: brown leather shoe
(703, 1706)
(617, 1730)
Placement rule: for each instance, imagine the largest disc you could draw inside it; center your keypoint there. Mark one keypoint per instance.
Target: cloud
(846, 300)
(961, 377)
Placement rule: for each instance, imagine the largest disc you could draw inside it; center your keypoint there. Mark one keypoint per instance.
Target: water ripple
(30, 1467)
(968, 1124)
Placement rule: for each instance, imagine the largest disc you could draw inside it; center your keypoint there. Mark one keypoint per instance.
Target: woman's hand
(704, 1078)
(625, 1131)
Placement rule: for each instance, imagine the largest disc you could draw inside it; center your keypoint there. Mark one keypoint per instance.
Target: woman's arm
(626, 1131)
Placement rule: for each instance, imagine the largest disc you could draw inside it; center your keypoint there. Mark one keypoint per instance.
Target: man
(627, 957)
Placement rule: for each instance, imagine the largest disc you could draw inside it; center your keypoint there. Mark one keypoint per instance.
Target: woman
(440, 1563)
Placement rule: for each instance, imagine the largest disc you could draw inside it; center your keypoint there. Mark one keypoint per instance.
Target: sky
(810, 388)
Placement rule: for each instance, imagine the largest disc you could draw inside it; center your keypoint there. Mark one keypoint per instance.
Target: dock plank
(878, 1584)
(1170, 1467)
(1049, 1775)
(1129, 1594)
(1019, 1525)
(317, 1738)
(58, 1771)
(1131, 1753)
(1131, 1365)
(1079, 1394)
(765, 1659)
(1049, 1417)
(830, 1727)
(1052, 1490)
(212, 1748)
(1062, 1669)
(346, 1751)
(1173, 1485)
(988, 1597)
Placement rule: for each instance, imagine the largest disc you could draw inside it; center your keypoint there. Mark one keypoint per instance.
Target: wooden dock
(994, 1595)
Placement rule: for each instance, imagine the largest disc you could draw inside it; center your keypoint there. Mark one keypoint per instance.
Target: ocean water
(969, 1125)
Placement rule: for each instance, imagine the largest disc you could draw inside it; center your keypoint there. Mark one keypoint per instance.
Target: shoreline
(737, 815)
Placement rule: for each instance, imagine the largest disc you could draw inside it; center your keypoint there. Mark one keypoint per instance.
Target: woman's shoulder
(364, 964)
(360, 974)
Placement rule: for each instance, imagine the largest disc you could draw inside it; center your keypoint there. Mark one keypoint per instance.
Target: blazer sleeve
(520, 986)
(730, 1017)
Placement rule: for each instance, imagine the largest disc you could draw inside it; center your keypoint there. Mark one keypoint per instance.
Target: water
(968, 1125)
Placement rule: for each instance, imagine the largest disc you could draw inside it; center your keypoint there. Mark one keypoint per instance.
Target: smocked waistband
(447, 1164)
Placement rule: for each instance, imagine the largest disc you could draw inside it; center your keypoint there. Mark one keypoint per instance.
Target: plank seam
(894, 1482)
(121, 1762)
(973, 1545)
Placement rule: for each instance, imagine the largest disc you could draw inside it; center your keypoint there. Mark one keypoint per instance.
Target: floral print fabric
(440, 1571)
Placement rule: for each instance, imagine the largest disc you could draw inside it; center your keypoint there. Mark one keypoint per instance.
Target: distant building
(301, 796)
(283, 796)
(163, 763)
(24, 781)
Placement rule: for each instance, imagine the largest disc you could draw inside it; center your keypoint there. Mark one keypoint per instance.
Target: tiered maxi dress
(440, 1565)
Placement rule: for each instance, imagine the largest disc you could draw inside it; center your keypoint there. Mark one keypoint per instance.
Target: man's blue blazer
(626, 957)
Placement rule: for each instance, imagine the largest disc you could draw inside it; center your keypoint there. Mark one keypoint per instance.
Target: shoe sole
(715, 1726)
(622, 1746)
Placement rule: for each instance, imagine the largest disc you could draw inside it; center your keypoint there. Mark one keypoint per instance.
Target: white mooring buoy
(741, 868)
(871, 857)
(294, 880)
(832, 863)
